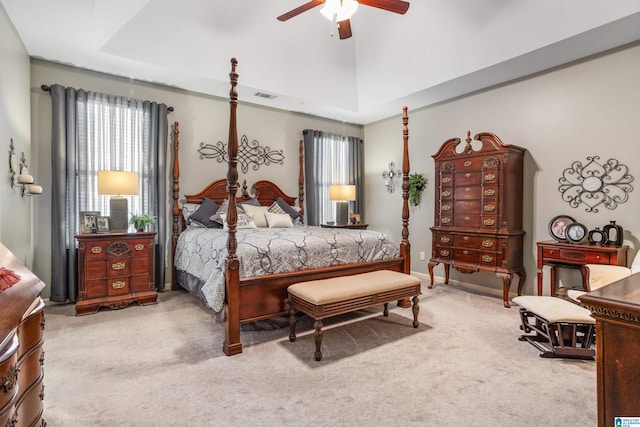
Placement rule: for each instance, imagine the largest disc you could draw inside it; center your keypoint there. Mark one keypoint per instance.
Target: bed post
(301, 179)
(232, 343)
(176, 207)
(405, 246)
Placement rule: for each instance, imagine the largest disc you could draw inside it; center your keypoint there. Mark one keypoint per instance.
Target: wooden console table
(616, 308)
(573, 255)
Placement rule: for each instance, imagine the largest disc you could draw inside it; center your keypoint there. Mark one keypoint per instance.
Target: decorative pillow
(280, 207)
(187, 210)
(258, 214)
(244, 221)
(203, 214)
(222, 210)
(278, 220)
(252, 202)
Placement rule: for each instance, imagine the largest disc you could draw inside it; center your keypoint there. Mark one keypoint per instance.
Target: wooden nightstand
(350, 226)
(114, 270)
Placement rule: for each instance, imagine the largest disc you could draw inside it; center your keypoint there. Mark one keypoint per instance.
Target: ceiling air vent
(264, 95)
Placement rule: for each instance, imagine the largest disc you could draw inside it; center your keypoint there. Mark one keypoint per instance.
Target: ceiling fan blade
(344, 29)
(298, 10)
(397, 6)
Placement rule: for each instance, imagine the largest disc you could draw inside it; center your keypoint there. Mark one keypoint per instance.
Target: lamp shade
(117, 183)
(345, 193)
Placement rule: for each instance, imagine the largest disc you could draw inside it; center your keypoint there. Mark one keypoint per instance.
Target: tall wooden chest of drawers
(478, 209)
(21, 347)
(114, 270)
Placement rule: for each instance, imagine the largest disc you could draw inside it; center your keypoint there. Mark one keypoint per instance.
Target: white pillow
(278, 220)
(258, 214)
(188, 209)
(244, 221)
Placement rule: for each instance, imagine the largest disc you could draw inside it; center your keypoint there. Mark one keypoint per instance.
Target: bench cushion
(555, 310)
(342, 288)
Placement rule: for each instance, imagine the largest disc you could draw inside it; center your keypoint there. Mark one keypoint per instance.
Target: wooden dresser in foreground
(114, 270)
(616, 308)
(21, 347)
(478, 209)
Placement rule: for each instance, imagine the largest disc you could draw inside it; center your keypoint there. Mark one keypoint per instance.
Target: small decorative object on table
(88, 221)
(613, 234)
(575, 232)
(102, 224)
(558, 226)
(140, 221)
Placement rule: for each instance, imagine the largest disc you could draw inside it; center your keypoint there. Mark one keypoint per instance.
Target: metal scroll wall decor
(250, 154)
(595, 183)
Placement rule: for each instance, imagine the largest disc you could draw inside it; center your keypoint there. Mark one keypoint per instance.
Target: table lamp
(118, 184)
(342, 195)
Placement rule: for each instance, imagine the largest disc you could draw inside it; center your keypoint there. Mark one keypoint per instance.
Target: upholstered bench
(324, 298)
(563, 329)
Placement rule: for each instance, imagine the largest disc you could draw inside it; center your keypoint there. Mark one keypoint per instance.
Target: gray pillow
(285, 208)
(204, 213)
(252, 202)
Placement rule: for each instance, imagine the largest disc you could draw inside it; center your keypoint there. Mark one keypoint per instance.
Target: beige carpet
(162, 365)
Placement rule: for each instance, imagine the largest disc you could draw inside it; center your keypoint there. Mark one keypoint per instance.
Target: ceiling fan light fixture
(339, 9)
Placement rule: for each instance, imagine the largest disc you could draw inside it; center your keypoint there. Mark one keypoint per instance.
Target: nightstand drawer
(119, 267)
(96, 249)
(140, 247)
(95, 269)
(96, 288)
(141, 283)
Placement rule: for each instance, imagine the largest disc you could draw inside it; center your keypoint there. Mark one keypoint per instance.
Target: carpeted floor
(162, 365)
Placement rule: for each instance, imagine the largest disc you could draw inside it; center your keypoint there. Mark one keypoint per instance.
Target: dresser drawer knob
(467, 163)
(489, 192)
(446, 193)
(487, 258)
(139, 247)
(119, 284)
(119, 266)
(489, 208)
(446, 207)
(489, 177)
(465, 238)
(489, 222)
(466, 252)
(445, 239)
(444, 252)
(446, 220)
(467, 189)
(96, 249)
(466, 218)
(446, 180)
(467, 175)
(487, 244)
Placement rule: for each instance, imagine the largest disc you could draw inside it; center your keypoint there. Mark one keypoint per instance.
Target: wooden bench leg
(317, 336)
(416, 310)
(292, 324)
(385, 312)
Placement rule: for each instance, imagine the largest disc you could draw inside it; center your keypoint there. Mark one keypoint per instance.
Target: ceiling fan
(341, 11)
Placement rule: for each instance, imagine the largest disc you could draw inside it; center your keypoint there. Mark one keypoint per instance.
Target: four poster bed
(243, 273)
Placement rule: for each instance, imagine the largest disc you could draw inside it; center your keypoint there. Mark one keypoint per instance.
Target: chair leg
(416, 310)
(292, 324)
(317, 336)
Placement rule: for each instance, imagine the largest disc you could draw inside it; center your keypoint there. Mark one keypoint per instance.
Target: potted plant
(140, 221)
(417, 184)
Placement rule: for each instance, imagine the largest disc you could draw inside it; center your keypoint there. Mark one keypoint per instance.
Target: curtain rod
(47, 89)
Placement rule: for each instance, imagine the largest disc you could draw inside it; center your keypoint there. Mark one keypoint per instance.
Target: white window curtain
(331, 159)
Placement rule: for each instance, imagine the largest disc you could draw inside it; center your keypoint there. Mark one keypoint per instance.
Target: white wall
(15, 211)
(202, 119)
(586, 109)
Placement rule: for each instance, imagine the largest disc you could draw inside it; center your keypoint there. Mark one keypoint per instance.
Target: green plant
(140, 221)
(417, 184)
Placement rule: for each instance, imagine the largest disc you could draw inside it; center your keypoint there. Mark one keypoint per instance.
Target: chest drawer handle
(7, 383)
(489, 192)
(467, 189)
(489, 222)
(467, 175)
(446, 220)
(444, 252)
(446, 207)
(489, 208)
(119, 284)
(446, 193)
(487, 258)
(466, 218)
(119, 266)
(489, 177)
(139, 247)
(446, 180)
(487, 244)
(96, 249)
(467, 163)
(466, 252)
(444, 239)
(465, 238)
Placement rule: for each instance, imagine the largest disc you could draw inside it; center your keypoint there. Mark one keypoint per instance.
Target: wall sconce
(389, 175)
(24, 179)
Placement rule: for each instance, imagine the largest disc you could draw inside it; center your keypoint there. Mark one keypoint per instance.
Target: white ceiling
(439, 50)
